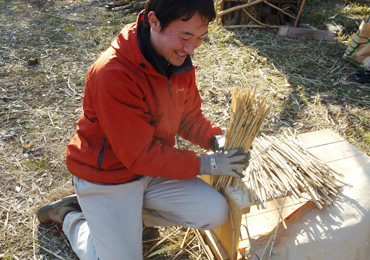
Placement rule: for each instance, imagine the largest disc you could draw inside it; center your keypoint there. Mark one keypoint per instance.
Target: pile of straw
(282, 166)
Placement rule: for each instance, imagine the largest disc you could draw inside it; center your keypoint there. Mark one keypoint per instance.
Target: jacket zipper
(170, 87)
(169, 103)
(101, 154)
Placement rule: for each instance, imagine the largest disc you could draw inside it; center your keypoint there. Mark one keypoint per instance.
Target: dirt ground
(46, 48)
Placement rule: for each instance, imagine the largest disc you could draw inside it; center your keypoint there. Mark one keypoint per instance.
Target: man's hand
(225, 163)
(218, 143)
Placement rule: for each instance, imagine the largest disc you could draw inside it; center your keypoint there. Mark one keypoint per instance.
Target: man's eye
(184, 39)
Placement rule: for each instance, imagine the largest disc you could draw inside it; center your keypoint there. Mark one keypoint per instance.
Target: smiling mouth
(181, 54)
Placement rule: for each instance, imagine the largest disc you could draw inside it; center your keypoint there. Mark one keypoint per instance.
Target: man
(139, 95)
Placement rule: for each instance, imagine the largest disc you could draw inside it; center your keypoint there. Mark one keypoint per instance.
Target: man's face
(179, 39)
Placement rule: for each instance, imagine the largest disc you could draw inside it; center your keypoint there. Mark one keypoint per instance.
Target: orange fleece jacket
(131, 115)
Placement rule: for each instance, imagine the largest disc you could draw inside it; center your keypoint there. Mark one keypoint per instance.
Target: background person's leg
(191, 203)
(113, 215)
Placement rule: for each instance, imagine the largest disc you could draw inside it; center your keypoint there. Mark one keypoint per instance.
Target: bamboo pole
(239, 7)
(299, 13)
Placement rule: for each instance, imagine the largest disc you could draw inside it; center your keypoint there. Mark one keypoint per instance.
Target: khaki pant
(110, 225)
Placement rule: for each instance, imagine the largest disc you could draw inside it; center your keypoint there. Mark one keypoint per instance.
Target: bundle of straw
(282, 166)
(246, 117)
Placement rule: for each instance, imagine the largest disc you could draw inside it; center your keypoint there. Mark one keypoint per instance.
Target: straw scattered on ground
(46, 48)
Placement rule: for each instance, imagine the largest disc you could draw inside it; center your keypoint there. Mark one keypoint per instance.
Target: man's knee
(215, 213)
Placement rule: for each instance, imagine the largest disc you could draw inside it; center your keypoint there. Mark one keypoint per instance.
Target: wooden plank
(318, 138)
(309, 33)
(270, 205)
(266, 220)
(236, 220)
(225, 236)
(215, 244)
(262, 239)
(327, 146)
(208, 250)
(207, 178)
(346, 166)
(334, 152)
(240, 198)
(228, 234)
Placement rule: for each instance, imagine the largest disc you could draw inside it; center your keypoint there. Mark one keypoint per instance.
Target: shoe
(362, 76)
(56, 211)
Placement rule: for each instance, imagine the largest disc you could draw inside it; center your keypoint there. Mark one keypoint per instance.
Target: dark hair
(170, 10)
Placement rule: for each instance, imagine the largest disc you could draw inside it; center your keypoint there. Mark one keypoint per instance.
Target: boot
(56, 211)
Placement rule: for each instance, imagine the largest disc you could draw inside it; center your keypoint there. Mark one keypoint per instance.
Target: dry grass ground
(307, 81)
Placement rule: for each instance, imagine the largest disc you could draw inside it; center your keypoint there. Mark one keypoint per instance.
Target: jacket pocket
(101, 154)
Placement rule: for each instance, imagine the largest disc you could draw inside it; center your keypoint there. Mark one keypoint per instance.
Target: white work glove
(218, 143)
(225, 163)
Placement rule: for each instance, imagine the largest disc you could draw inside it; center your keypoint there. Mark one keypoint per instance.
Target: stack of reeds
(247, 115)
(279, 166)
(282, 166)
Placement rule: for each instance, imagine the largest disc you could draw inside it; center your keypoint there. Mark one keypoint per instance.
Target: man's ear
(154, 22)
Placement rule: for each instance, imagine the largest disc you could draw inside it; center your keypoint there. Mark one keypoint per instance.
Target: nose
(190, 46)
(189, 49)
